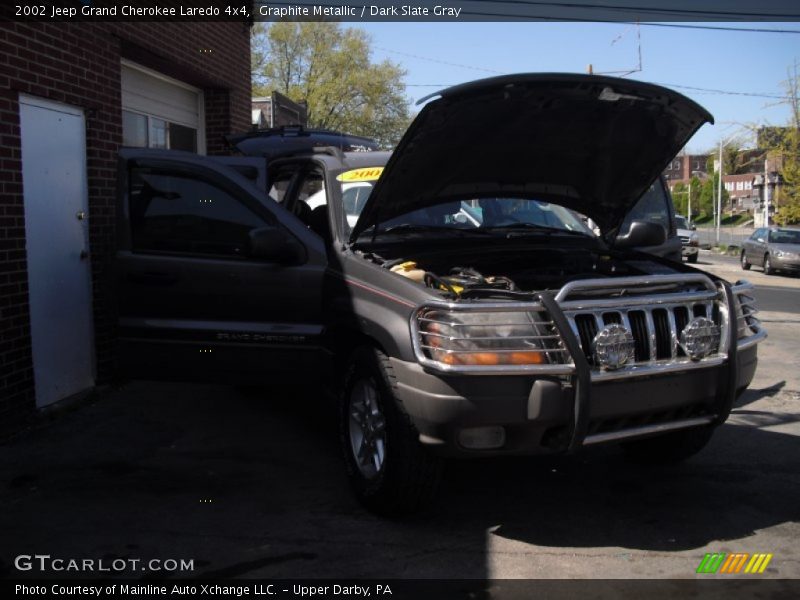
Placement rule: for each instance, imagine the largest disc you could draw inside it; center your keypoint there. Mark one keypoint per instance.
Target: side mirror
(642, 234)
(693, 227)
(275, 244)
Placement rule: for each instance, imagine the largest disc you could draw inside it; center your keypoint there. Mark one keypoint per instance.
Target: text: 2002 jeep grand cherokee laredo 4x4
(467, 309)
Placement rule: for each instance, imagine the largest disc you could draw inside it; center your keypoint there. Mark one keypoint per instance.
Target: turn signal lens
(490, 358)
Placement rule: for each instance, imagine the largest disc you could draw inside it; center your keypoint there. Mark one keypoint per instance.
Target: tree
(329, 67)
(680, 198)
(786, 148)
(707, 196)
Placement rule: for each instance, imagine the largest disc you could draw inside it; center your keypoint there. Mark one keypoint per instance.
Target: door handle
(153, 278)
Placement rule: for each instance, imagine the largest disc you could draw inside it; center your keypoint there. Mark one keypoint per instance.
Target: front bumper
(790, 265)
(687, 251)
(543, 413)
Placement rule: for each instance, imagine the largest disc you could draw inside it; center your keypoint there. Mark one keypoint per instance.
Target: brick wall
(79, 64)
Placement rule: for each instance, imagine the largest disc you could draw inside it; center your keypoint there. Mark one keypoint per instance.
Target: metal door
(56, 231)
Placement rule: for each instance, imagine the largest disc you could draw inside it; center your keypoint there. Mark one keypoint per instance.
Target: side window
(280, 181)
(652, 207)
(310, 195)
(312, 189)
(177, 213)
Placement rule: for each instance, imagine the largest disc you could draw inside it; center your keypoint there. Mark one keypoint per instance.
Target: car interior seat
(319, 224)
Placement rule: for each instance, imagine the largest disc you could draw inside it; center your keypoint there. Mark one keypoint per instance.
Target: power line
(726, 92)
(435, 60)
(716, 27)
(738, 15)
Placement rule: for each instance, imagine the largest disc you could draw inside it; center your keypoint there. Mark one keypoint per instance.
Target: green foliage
(788, 201)
(707, 195)
(786, 148)
(329, 67)
(680, 198)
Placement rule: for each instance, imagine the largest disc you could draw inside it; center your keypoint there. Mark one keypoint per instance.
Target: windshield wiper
(523, 227)
(412, 228)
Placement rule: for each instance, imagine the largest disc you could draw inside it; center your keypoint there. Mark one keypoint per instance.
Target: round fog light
(700, 338)
(482, 438)
(613, 346)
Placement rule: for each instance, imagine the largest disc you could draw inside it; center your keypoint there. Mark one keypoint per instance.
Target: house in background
(276, 110)
(70, 95)
(685, 166)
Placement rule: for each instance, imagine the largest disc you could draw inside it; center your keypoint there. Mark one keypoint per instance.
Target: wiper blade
(532, 227)
(411, 228)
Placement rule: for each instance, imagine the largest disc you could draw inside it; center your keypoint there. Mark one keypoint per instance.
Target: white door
(57, 243)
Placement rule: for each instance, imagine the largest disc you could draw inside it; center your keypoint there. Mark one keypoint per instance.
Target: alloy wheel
(367, 428)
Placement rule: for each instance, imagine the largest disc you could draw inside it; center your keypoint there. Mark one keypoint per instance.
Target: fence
(731, 236)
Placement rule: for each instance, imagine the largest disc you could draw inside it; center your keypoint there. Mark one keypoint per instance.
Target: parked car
(508, 330)
(774, 249)
(690, 242)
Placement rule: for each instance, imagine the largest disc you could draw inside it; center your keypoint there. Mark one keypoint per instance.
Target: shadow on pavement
(251, 484)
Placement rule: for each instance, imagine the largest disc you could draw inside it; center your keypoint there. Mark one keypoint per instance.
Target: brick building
(684, 166)
(70, 95)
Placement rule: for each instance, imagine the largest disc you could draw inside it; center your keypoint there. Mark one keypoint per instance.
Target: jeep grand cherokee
(459, 307)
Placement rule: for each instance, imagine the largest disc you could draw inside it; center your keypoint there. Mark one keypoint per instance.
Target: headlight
(487, 338)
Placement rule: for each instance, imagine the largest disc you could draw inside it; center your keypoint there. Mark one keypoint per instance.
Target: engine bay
(511, 274)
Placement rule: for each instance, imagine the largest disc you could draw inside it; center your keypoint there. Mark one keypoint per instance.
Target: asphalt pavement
(249, 483)
(778, 298)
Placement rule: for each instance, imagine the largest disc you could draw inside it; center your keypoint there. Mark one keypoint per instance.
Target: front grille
(655, 314)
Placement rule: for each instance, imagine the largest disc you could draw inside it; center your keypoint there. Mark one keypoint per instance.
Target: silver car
(774, 249)
(690, 243)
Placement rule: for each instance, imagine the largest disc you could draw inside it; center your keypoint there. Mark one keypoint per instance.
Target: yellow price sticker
(363, 174)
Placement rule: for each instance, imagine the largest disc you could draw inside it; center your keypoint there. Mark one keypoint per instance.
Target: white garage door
(160, 112)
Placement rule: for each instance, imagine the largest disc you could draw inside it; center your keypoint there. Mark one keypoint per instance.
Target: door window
(181, 214)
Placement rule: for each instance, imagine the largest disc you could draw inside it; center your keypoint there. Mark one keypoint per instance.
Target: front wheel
(768, 270)
(692, 258)
(745, 265)
(669, 447)
(390, 471)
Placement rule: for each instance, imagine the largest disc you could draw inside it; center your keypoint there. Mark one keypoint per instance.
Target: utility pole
(689, 209)
(766, 193)
(719, 192)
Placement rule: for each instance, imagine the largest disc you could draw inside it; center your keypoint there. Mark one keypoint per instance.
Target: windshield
(489, 214)
(785, 236)
(681, 222)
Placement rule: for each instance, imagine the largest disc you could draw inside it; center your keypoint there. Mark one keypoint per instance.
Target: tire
(745, 265)
(768, 270)
(692, 258)
(391, 473)
(668, 448)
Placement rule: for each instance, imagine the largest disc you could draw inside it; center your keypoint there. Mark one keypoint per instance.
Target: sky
(437, 55)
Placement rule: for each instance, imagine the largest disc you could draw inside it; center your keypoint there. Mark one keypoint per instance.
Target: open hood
(587, 142)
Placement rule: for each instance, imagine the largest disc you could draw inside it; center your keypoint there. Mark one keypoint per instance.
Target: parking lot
(249, 483)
